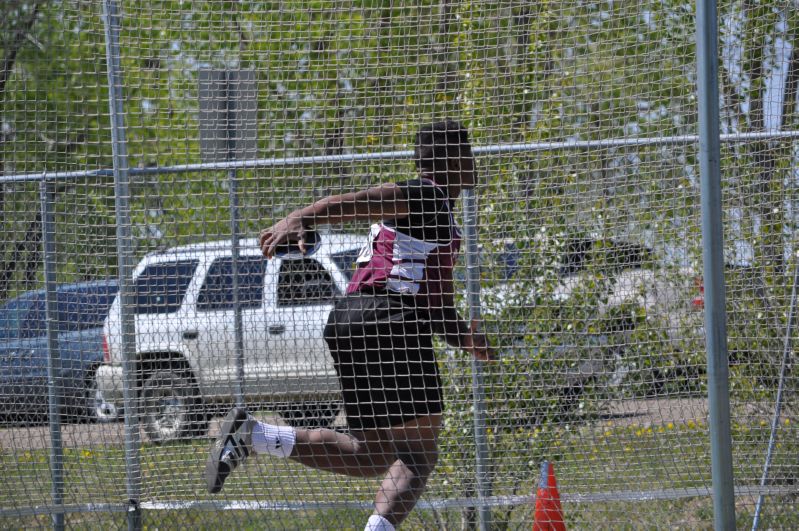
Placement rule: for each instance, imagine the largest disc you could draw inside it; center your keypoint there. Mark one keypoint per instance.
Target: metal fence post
(47, 197)
(478, 389)
(112, 24)
(238, 325)
(233, 186)
(713, 257)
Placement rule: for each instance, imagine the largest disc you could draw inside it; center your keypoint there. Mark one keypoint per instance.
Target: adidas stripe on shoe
(230, 449)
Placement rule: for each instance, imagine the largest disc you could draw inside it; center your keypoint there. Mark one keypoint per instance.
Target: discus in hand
(305, 245)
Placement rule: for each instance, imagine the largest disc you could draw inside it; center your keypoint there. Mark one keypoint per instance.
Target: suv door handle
(276, 329)
(190, 334)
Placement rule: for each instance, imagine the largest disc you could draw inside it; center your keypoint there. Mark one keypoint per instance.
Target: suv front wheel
(171, 408)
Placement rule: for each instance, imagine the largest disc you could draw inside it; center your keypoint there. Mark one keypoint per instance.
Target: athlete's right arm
(386, 201)
(456, 331)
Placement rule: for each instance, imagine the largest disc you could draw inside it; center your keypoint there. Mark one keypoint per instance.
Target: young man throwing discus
(380, 333)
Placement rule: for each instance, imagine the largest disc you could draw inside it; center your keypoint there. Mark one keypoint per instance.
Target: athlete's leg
(388, 374)
(406, 454)
(416, 448)
(363, 342)
(361, 454)
(408, 447)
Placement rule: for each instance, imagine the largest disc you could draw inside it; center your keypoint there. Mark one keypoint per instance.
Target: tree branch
(29, 245)
(17, 41)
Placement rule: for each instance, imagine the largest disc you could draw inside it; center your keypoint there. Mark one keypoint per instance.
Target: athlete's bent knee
(421, 462)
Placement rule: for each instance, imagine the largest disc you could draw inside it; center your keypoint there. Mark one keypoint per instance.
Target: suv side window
(217, 291)
(160, 288)
(304, 281)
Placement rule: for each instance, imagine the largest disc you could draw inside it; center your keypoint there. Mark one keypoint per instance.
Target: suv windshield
(160, 287)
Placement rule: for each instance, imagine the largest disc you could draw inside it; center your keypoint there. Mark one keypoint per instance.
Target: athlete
(380, 333)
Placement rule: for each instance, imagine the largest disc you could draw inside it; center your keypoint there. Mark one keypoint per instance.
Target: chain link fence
(144, 145)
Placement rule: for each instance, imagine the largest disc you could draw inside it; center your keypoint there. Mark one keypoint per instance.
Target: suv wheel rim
(167, 414)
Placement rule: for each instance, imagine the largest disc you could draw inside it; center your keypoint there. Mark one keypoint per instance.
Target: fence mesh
(583, 118)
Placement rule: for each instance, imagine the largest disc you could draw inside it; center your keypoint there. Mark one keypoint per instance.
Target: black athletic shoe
(231, 448)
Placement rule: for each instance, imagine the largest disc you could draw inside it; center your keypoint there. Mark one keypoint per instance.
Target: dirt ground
(656, 412)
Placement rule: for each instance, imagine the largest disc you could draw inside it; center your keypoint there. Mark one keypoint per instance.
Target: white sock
(273, 440)
(378, 523)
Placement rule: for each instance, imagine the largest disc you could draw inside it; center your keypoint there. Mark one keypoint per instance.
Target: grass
(598, 459)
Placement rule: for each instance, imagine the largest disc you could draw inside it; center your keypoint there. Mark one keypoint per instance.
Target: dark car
(81, 309)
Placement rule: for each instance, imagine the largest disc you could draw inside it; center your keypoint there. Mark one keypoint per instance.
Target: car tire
(171, 408)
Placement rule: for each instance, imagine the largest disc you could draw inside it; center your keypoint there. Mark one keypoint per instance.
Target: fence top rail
(495, 149)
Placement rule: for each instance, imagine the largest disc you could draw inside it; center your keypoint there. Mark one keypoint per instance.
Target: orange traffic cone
(548, 511)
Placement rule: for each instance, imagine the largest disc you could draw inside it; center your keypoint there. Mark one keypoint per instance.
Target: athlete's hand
(477, 343)
(289, 228)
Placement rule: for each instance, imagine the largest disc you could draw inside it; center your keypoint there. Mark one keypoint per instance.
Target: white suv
(186, 355)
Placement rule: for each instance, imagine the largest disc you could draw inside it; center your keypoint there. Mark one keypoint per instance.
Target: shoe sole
(216, 471)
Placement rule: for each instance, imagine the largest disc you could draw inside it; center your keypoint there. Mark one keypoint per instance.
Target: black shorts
(382, 348)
